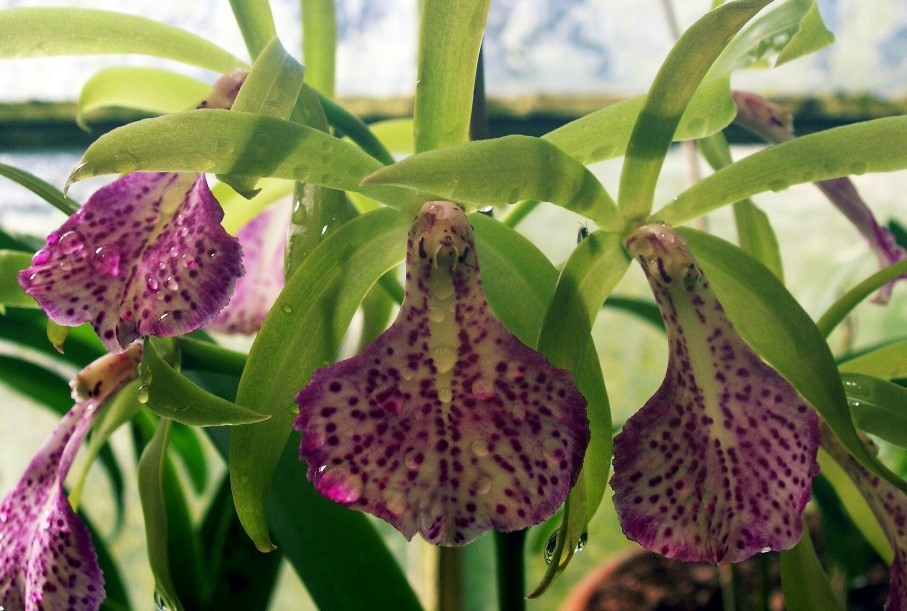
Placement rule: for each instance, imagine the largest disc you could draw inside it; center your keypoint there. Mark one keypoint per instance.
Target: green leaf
(644, 309)
(42, 32)
(28, 327)
(806, 586)
(886, 362)
(871, 146)
(395, 134)
(755, 233)
(674, 85)
(11, 294)
(171, 395)
(788, 31)
(239, 210)
(450, 36)
(227, 142)
(878, 406)
(319, 44)
(317, 536)
(151, 90)
(772, 322)
(809, 38)
(604, 134)
(185, 442)
(151, 493)
(271, 88)
(855, 296)
(238, 575)
(501, 171)
(357, 131)
(42, 189)
(301, 333)
(255, 22)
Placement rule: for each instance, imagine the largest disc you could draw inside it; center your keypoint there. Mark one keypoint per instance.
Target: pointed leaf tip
(446, 425)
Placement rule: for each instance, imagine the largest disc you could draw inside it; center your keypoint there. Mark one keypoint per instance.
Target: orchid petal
(889, 504)
(145, 255)
(263, 241)
(47, 560)
(717, 465)
(447, 424)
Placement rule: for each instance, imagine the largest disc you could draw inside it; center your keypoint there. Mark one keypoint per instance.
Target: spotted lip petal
(145, 255)
(888, 504)
(447, 424)
(263, 242)
(47, 560)
(717, 465)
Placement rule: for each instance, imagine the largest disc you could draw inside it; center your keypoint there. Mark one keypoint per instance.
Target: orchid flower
(263, 241)
(145, 255)
(718, 464)
(775, 125)
(446, 425)
(47, 560)
(888, 504)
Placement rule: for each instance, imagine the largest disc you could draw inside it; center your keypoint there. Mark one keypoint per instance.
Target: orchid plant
(256, 204)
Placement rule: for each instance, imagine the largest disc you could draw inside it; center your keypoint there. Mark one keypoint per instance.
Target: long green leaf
(11, 294)
(227, 142)
(255, 22)
(239, 210)
(41, 32)
(781, 332)
(271, 88)
(450, 35)
(171, 395)
(501, 171)
(151, 492)
(674, 85)
(151, 90)
(886, 362)
(878, 406)
(29, 328)
(319, 44)
(871, 146)
(855, 296)
(301, 333)
(41, 188)
(604, 134)
(806, 586)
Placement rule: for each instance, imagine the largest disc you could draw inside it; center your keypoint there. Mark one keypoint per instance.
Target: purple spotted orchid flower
(145, 255)
(47, 560)
(263, 241)
(717, 465)
(776, 125)
(888, 504)
(446, 425)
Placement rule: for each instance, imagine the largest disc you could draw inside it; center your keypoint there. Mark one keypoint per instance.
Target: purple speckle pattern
(717, 466)
(263, 242)
(47, 560)
(145, 255)
(446, 425)
(889, 504)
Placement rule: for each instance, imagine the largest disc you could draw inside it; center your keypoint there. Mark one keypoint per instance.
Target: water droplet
(41, 257)
(777, 185)
(859, 167)
(412, 459)
(831, 167)
(445, 357)
(436, 313)
(106, 261)
(339, 486)
(479, 447)
(124, 162)
(71, 243)
(142, 394)
(483, 485)
(553, 449)
(4, 516)
(286, 309)
(153, 283)
(146, 375)
(301, 172)
(187, 261)
(551, 545)
(765, 550)
(518, 411)
(483, 390)
(407, 373)
(172, 284)
(445, 394)
(441, 287)
(395, 500)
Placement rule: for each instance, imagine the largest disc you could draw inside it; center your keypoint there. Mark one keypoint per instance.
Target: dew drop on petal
(553, 449)
(445, 395)
(172, 284)
(142, 394)
(41, 257)
(483, 390)
(412, 459)
(71, 243)
(153, 283)
(445, 358)
(483, 485)
(106, 261)
(479, 447)
(395, 500)
(436, 313)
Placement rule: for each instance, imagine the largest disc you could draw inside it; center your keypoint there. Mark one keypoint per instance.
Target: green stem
(511, 570)
(450, 579)
(353, 127)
